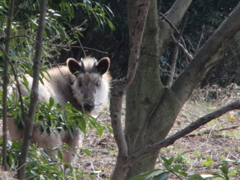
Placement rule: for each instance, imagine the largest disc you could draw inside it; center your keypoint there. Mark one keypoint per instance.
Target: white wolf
(84, 84)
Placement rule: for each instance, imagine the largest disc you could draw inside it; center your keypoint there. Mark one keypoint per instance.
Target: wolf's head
(90, 87)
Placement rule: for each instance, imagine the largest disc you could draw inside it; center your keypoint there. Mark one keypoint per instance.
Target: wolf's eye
(97, 83)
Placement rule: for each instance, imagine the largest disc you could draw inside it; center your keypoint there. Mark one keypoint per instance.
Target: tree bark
(29, 121)
(118, 88)
(151, 108)
(149, 105)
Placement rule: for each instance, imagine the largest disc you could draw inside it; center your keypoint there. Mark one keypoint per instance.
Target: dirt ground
(221, 145)
(190, 152)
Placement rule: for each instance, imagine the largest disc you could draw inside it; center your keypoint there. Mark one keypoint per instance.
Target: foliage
(39, 166)
(59, 32)
(52, 118)
(171, 166)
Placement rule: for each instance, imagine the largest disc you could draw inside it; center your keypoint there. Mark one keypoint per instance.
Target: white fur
(63, 87)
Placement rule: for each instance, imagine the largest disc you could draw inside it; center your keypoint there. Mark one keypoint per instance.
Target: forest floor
(209, 147)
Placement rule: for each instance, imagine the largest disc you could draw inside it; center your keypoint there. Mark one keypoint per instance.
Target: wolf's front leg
(72, 151)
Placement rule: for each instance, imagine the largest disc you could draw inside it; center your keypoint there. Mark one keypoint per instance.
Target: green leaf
(168, 161)
(70, 131)
(60, 155)
(87, 152)
(51, 103)
(208, 162)
(195, 177)
(162, 176)
(48, 121)
(48, 130)
(224, 169)
(40, 128)
(178, 169)
(145, 175)
(82, 126)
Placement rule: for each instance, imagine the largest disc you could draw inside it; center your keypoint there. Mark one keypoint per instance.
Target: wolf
(84, 84)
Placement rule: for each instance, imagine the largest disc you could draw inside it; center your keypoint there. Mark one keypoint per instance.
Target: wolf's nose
(88, 106)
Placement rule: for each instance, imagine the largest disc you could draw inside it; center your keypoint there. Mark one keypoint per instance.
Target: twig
(200, 39)
(215, 130)
(58, 46)
(174, 54)
(171, 24)
(185, 51)
(81, 47)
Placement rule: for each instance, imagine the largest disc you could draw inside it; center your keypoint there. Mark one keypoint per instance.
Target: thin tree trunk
(174, 55)
(29, 121)
(5, 83)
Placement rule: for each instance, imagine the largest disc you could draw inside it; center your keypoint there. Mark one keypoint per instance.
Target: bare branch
(58, 46)
(185, 51)
(214, 130)
(174, 54)
(193, 126)
(80, 47)
(175, 29)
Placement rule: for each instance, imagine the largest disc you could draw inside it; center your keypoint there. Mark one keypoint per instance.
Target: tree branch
(174, 54)
(207, 56)
(185, 51)
(29, 121)
(5, 83)
(214, 130)
(177, 11)
(193, 126)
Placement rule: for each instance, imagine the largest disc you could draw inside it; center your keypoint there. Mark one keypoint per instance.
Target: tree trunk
(144, 125)
(5, 84)
(29, 121)
(151, 109)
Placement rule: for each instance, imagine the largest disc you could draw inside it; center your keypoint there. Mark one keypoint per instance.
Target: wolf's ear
(73, 66)
(103, 65)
